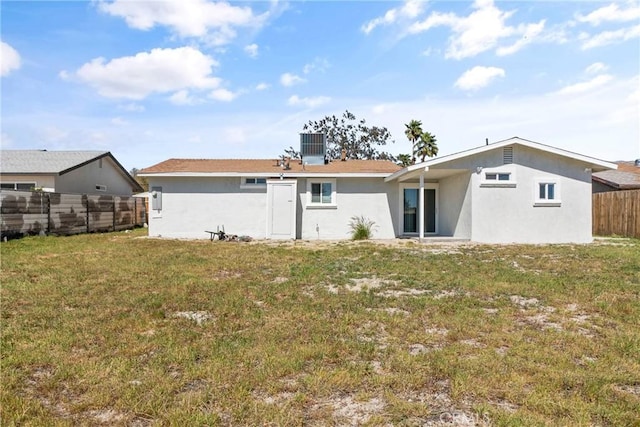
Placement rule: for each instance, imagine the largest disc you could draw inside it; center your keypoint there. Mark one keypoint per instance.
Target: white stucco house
(511, 191)
(75, 172)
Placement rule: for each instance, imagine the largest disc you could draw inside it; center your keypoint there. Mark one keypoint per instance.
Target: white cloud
(9, 59)
(318, 64)
(609, 37)
(478, 77)
(182, 97)
(586, 86)
(211, 21)
(611, 13)
(119, 121)
(596, 67)
(223, 95)
(410, 9)
(309, 102)
(53, 134)
(482, 30)
(234, 135)
(289, 79)
(5, 140)
(528, 31)
(251, 50)
(132, 107)
(158, 71)
(262, 86)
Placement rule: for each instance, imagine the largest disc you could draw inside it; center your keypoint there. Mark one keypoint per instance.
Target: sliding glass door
(411, 210)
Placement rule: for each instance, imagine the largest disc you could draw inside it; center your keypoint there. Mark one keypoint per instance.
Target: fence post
(113, 201)
(86, 198)
(48, 213)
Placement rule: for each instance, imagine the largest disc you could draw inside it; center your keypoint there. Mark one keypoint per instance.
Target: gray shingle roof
(45, 162)
(627, 176)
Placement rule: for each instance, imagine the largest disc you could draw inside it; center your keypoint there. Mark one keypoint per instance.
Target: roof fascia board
(263, 174)
(79, 165)
(511, 141)
(119, 168)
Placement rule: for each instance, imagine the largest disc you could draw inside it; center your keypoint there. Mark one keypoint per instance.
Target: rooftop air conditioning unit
(313, 148)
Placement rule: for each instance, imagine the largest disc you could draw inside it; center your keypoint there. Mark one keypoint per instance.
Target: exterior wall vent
(313, 147)
(507, 155)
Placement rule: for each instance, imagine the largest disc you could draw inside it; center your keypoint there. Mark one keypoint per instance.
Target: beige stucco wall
(42, 181)
(84, 179)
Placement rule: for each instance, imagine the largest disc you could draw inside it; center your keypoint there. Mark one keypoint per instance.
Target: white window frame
(538, 201)
(334, 193)
(247, 186)
(16, 183)
(497, 182)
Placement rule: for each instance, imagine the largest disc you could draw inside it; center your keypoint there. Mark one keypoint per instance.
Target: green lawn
(119, 329)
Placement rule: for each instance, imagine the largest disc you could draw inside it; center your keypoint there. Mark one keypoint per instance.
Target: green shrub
(361, 227)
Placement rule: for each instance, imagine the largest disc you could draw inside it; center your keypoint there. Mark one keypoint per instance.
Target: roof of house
(590, 162)
(43, 162)
(626, 177)
(231, 167)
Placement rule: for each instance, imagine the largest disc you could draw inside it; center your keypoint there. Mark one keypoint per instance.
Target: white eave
(590, 162)
(283, 173)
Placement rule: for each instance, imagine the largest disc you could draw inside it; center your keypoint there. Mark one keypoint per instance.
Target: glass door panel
(410, 210)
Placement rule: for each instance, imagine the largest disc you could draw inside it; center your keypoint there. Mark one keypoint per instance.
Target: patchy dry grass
(116, 329)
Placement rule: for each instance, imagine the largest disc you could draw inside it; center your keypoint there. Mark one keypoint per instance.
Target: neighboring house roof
(590, 162)
(626, 177)
(43, 162)
(255, 167)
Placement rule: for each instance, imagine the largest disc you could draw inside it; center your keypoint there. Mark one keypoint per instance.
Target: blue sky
(154, 80)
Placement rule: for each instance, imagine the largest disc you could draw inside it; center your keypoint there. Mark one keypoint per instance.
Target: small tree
(353, 135)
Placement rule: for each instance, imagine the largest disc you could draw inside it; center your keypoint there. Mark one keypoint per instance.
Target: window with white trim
(20, 186)
(253, 182)
(547, 193)
(496, 176)
(321, 193)
(498, 179)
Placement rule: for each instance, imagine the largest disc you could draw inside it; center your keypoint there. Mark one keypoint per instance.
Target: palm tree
(404, 159)
(413, 132)
(426, 146)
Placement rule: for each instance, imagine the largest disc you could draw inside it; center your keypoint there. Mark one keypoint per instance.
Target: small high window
(20, 186)
(251, 182)
(502, 179)
(498, 177)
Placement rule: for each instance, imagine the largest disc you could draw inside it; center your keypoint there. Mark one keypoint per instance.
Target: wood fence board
(616, 213)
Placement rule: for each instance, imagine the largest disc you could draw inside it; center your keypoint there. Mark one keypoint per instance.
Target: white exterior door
(281, 209)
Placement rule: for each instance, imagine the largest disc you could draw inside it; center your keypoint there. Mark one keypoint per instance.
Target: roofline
(263, 174)
(127, 175)
(615, 184)
(499, 144)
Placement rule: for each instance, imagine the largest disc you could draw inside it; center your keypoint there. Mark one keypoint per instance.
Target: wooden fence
(30, 213)
(616, 213)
